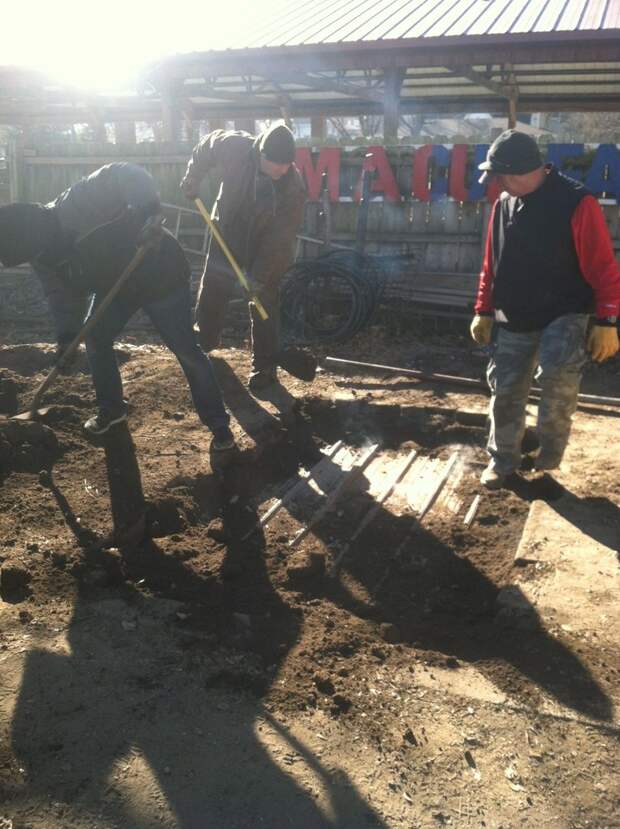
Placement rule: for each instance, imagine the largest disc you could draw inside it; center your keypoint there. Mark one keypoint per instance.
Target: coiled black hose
(330, 298)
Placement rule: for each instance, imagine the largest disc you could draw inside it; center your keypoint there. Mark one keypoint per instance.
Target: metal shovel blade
(32, 414)
(298, 362)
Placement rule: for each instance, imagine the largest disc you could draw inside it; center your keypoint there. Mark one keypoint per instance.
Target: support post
(246, 124)
(318, 127)
(284, 103)
(393, 81)
(512, 112)
(170, 114)
(513, 97)
(125, 132)
(97, 125)
(15, 161)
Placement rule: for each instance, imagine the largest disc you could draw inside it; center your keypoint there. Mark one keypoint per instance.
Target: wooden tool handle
(233, 262)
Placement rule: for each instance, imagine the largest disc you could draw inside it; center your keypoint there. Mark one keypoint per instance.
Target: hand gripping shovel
(151, 239)
(243, 280)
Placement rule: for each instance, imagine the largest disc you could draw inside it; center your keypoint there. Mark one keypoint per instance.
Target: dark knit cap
(26, 230)
(277, 144)
(512, 153)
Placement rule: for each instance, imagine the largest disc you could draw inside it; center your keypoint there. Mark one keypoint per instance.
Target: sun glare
(105, 46)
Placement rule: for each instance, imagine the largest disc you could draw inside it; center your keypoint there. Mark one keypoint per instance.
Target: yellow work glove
(481, 328)
(603, 342)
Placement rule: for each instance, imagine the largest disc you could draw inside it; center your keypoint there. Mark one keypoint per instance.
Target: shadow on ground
(149, 716)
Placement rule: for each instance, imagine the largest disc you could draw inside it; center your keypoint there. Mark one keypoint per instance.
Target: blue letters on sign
(607, 155)
(439, 184)
(477, 191)
(558, 153)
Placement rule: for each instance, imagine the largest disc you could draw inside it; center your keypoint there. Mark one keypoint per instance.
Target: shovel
(243, 280)
(299, 362)
(33, 412)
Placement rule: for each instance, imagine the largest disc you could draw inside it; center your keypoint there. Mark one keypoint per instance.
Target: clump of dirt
(14, 580)
(9, 389)
(164, 516)
(27, 446)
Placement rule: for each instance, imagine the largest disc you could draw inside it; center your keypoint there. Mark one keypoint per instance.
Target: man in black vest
(548, 265)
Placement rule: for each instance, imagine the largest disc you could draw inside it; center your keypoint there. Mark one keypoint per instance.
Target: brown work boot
(546, 462)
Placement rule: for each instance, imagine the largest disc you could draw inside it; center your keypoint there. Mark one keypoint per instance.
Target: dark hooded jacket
(86, 237)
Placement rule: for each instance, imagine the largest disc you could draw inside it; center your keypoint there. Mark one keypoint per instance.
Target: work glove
(254, 287)
(190, 188)
(152, 231)
(480, 329)
(603, 342)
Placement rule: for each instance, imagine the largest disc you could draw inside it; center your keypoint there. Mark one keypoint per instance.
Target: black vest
(537, 273)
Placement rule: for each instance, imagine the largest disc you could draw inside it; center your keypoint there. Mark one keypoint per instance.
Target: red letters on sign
(377, 162)
(456, 177)
(430, 162)
(329, 159)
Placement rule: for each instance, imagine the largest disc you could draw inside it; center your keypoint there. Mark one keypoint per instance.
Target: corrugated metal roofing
(327, 21)
(338, 55)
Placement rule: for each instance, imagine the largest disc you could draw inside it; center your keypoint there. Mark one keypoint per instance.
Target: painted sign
(436, 171)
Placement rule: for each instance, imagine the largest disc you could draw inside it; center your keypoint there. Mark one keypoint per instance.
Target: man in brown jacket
(259, 209)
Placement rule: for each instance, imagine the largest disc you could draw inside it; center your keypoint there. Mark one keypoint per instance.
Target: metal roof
(347, 56)
(327, 21)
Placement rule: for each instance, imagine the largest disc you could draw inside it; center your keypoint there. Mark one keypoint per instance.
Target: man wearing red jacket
(548, 265)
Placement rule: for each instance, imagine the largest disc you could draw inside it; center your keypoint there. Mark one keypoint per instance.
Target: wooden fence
(433, 249)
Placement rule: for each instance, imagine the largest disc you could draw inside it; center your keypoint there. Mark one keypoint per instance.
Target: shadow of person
(255, 420)
(279, 397)
(596, 517)
(439, 600)
(148, 707)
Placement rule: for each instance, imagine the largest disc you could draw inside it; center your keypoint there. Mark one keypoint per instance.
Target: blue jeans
(172, 318)
(556, 356)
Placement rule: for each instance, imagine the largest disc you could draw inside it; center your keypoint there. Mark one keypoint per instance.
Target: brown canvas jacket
(259, 218)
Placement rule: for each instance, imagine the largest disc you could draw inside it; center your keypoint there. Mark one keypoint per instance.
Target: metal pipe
(470, 382)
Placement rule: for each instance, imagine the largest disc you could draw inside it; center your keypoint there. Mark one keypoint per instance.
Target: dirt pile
(27, 446)
(214, 626)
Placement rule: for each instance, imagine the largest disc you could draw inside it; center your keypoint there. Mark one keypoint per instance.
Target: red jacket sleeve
(596, 256)
(484, 301)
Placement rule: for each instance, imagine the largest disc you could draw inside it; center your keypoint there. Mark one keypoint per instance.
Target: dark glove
(151, 232)
(254, 287)
(190, 188)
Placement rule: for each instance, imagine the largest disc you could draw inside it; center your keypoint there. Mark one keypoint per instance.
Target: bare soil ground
(196, 679)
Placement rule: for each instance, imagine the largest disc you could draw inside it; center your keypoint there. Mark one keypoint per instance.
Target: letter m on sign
(328, 160)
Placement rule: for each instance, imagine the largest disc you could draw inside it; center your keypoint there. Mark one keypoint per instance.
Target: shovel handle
(88, 326)
(228, 254)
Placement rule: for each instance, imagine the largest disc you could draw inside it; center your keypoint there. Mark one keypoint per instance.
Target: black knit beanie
(277, 144)
(26, 230)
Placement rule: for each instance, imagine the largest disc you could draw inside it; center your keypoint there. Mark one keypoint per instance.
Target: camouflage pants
(559, 353)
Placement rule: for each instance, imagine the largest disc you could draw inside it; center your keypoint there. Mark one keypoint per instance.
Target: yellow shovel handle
(233, 262)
